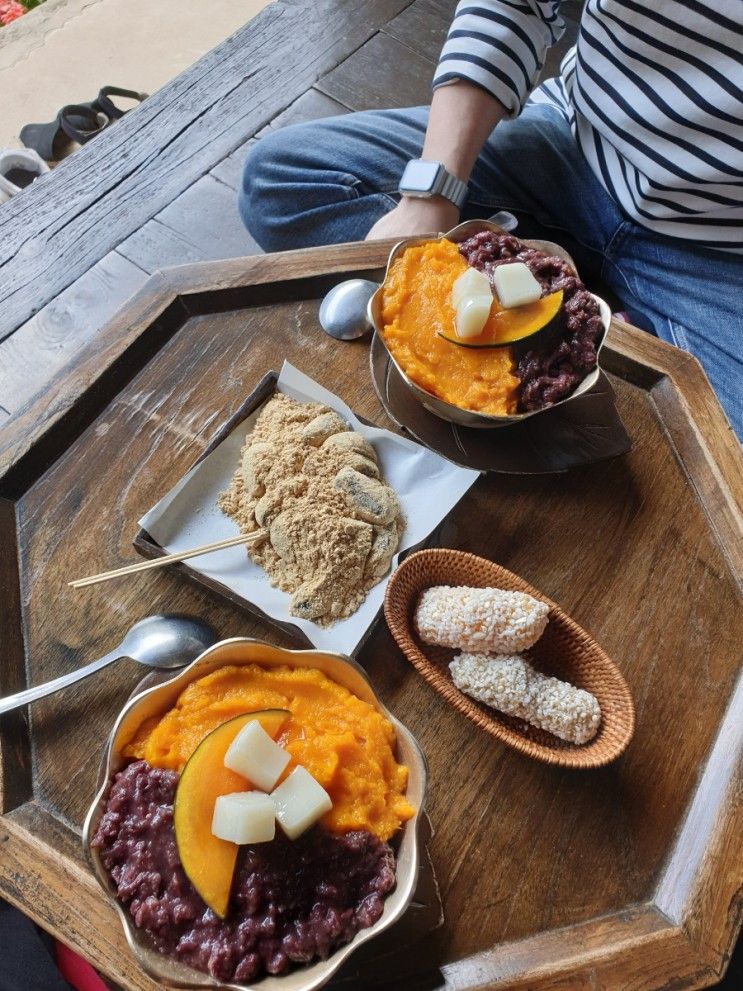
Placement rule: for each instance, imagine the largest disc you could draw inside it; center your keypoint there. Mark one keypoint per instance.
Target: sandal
(104, 102)
(78, 122)
(19, 167)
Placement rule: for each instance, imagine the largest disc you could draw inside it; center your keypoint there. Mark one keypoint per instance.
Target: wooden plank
(687, 884)
(155, 246)
(312, 105)
(116, 345)
(15, 769)
(423, 26)
(230, 169)
(110, 187)
(202, 224)
(382, 73)
(51, 341)
(706, 445)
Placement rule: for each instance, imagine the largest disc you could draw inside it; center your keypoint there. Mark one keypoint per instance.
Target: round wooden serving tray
(564, 650)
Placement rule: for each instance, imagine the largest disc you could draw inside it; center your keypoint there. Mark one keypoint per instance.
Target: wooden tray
(625, 877)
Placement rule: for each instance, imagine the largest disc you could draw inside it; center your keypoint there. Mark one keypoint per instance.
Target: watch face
(420, 176)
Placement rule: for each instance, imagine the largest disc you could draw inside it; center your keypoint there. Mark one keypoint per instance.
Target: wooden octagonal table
(627, 877)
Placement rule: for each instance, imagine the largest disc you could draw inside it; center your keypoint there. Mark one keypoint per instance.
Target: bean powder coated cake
(313, 486)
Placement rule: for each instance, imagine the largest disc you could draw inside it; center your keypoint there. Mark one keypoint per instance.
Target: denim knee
(293, 188)
(262, 208)
(313, 184)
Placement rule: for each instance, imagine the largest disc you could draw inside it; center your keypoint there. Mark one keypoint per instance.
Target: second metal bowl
(440, 407)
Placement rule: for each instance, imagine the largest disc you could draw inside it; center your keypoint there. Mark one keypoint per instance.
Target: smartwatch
(424, 179)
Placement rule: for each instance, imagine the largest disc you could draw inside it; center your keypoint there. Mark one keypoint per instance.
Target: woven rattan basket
(564, 650)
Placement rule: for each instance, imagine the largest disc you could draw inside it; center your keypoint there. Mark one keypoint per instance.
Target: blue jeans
(328, 181)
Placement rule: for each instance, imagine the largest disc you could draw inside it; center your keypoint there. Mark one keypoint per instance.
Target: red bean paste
(292, 901)
(548, 374)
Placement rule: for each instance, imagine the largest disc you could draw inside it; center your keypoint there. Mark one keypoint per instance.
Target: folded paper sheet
(427, 485)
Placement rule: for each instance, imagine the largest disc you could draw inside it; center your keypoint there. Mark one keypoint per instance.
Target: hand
(413, 216)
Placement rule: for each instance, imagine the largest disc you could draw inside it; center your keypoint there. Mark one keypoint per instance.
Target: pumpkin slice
(209, 862)
(505, 327)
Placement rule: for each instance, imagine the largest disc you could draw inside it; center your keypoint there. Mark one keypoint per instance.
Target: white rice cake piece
(299, 802)
(256, 756)
(244, 817)
(515, 285)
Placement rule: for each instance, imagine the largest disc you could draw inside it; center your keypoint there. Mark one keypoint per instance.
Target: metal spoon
(343, 310)
(156, 642)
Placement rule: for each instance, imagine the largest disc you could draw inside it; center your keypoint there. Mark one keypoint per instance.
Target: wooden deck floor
(75, 270)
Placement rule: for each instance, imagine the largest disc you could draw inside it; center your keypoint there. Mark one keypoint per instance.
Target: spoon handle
(39, 691)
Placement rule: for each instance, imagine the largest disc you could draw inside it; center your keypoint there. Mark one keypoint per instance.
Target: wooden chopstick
(159, 562)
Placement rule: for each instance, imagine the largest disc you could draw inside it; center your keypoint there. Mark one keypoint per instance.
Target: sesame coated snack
(511, 685)
(491, 626)
(480, 619)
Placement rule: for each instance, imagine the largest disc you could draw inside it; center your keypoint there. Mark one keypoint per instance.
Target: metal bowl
(155, 701)
(448, 411)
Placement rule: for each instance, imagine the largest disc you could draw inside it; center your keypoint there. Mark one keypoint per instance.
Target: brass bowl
(442, 408)
(154, 702)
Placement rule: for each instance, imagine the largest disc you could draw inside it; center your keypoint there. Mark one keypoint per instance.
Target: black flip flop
(77, 122)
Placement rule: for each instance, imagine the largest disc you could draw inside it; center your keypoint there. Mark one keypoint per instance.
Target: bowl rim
(442, 407)
(575, 757)
(173, 973)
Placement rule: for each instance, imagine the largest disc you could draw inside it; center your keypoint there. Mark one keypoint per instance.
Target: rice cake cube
(515, 285)
(256, 756)
(299, 802)
(244, 817)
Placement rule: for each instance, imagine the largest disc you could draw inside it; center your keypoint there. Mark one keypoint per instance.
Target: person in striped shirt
(632, 159)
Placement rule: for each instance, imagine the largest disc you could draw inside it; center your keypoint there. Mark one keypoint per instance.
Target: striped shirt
(653, 92)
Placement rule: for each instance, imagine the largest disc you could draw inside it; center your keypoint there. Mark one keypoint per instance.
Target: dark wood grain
(382, 73)
(110, 187)
(33, 357)
(423, 26)
(624, 878)
(15, 764)
(49, 414)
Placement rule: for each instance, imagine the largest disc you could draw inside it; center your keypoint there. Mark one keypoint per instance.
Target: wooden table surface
(159, 189)
(627, 877)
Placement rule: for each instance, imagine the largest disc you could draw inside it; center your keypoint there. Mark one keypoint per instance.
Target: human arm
(461, 118)
(491, 59)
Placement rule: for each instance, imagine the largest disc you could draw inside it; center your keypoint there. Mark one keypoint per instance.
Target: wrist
(425, 179)
(431, 206)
